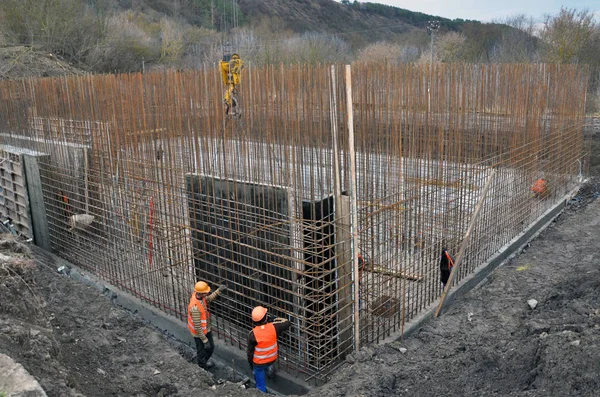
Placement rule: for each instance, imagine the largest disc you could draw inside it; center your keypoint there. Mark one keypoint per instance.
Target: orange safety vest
(202, 306)
(265, 351)
(450, 261)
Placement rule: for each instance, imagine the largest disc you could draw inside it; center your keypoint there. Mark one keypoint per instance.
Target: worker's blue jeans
(261, 373)
(260, 377)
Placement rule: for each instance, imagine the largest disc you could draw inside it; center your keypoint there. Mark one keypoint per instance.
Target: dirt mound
(16, 274)
(75, 342)
(25, 332)
(25, 61)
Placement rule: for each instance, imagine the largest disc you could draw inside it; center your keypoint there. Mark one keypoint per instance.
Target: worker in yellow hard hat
(262, 345)
(199, 321)
(231, 71)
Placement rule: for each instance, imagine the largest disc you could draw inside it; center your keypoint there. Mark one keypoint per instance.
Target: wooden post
(343, 247)
(463, 246)
(86, 176)
(353, 209)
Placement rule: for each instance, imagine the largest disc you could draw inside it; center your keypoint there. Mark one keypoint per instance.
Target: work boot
(209, 364)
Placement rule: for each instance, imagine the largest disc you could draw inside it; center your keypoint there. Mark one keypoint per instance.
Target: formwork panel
(14, 199)
(241, 235)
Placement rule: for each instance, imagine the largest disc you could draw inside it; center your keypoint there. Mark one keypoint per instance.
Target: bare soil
(75, 342)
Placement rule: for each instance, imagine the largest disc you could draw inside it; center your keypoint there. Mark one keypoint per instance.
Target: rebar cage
(148, 185)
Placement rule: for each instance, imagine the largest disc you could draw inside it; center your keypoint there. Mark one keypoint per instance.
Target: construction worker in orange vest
(199, 321)
(540, 188)
(262, 346)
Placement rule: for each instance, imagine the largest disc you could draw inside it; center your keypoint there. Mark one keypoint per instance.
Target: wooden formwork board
(14, 202)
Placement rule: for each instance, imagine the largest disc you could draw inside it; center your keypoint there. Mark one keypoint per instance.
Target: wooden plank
(37, 209)
(463, 246)
(399, 274)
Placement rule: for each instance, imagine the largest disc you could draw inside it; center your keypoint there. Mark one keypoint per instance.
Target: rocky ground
(490, 342)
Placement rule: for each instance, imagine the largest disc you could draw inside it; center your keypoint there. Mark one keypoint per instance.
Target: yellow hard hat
(258, 313)
(202, 287)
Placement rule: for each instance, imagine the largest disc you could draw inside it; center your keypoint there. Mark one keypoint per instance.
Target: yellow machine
(231, 70)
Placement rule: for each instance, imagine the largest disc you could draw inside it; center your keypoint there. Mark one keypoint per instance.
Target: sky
(489, 10)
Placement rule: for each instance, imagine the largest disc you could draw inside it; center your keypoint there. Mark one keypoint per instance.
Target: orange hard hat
(540, 186)
(202, 287)
(258, 313)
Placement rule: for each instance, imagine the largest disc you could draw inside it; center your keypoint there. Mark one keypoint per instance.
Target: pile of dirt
(26, 61)
(16, 273)
(75, 342)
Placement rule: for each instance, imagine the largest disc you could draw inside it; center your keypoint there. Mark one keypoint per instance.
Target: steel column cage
(147, 185)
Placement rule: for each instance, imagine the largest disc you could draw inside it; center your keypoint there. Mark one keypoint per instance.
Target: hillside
(359, 24)
(107, 36)
(26, 61)
(130, 35)
(298, 15)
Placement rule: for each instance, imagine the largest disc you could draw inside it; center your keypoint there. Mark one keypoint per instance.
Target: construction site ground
(74, 341)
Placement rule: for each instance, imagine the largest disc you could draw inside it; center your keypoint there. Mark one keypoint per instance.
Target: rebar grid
(179, 193)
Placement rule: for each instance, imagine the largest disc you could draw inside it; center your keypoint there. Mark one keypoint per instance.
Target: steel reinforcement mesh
(148, 185)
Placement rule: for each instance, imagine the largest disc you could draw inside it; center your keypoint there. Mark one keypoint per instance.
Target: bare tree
(449, 47)
(70, 28)
(384, 50)
(518, 42)
(125, 47)
(202, 47)
(568, 35)
(172, 42)
(314, 48)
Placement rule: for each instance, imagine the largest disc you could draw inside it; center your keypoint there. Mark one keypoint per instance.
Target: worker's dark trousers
(204, 351)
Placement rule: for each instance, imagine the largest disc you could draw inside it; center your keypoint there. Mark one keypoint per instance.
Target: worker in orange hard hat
(262, 345)
(199, 321)
(540, 188)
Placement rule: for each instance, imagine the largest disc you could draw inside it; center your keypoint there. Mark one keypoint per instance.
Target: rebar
(178, 193)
